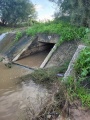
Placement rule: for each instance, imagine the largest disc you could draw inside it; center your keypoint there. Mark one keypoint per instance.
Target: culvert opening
(34, 56)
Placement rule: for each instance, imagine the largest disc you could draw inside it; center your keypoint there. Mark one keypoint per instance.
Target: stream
(19, 100)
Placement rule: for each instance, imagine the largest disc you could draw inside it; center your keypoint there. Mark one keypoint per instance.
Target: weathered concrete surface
(63, 54)
(2, 36)
(48, 38)
(48, 56)
(18, 47)
(22, 49)
(7, 42)
(35, 47)
(10, 48)
(70, 70)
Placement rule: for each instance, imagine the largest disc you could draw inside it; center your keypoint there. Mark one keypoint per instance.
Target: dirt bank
(77, 112)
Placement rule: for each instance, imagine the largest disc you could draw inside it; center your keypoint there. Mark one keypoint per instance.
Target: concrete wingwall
(63, 54)
(7, 42)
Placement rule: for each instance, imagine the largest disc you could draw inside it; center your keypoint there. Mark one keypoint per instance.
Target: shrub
(82, 65)
(86, 37)
(18, 36)
(80, 89)
(66, 31)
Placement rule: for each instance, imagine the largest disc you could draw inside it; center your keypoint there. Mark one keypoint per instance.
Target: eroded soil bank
(77, 112)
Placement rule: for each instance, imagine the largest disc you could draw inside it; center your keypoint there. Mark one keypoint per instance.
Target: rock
(49, 116)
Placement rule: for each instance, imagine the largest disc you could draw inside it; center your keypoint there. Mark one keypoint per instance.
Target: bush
(82, 65)
(66, 31)
(80, 88)
(18, 36)
(86, 37)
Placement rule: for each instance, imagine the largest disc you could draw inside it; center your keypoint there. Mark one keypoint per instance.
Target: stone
(48, 116)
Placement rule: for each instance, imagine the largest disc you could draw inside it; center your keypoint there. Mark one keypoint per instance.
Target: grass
(5, 29)
(66, 31)
(78, 92)
(80, 88)
(86, 38)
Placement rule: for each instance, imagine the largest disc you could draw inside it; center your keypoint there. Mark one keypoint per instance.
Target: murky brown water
(19, 101)
(34, 60)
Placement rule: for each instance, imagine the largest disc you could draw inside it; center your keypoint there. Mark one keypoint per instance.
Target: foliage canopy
(13, 11)
(78, 11)
(66, 31)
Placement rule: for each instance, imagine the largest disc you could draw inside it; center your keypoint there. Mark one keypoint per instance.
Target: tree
(77, 10)
(13, 11)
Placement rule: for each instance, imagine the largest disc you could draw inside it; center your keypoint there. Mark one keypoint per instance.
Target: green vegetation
(18, 36)
(78, 92)
(4, 29)
(66, 31)
(82, 65)
(75, 11)
(80, 88)
(16, 11)
(86, 38)
(10, 29)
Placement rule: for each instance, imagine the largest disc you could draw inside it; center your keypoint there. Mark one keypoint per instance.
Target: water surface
(19, 100)
(34, 60)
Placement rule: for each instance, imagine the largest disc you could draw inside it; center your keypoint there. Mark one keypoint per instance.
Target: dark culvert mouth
(33, 57)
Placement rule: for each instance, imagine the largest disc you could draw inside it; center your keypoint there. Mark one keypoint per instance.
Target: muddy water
(34, 60)
(19, 100)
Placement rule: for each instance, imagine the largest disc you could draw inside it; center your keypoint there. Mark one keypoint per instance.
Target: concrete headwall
(48, 38)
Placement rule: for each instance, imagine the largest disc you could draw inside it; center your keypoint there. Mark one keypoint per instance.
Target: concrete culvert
(35, 55)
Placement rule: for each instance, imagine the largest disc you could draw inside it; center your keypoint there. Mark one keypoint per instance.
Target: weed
(66, 31)
(80, 89)
(18, 36)
(76, 91)
(82, 65)
(86, 38)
